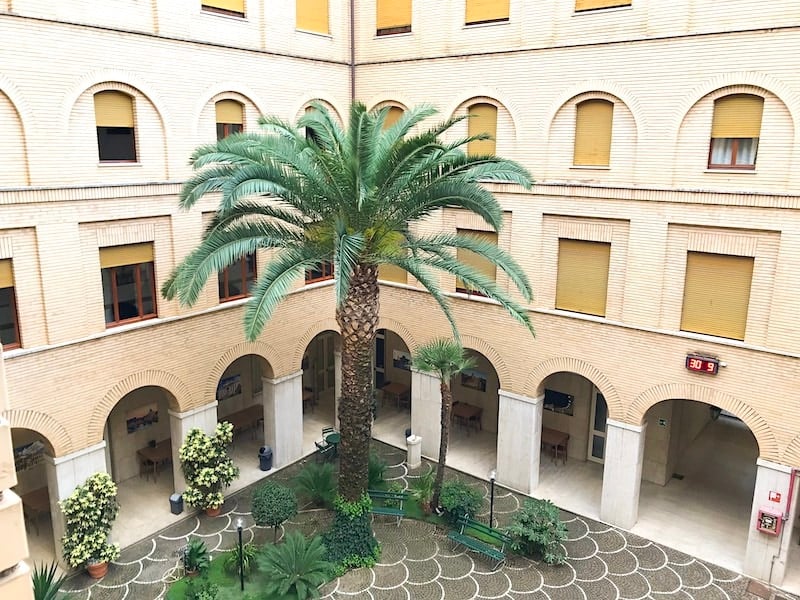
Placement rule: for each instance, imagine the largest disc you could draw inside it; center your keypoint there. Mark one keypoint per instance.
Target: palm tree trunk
(358, 320)
(444, 439)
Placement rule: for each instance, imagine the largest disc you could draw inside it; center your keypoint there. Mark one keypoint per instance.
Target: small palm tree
(46, 582)
(297, 567)
(445, 358)
(317, 483)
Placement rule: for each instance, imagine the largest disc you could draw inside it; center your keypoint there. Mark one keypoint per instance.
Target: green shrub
(273, 504)
(89, 512)
(297, 567)
(207, 467)
(249, 552)
(201, 589)
(317, 483)
(394, 487)
(422, 490)
(537, 530)
(350, 542)
(46, 583)
(196, 556)
(376, 470)
(458, 499)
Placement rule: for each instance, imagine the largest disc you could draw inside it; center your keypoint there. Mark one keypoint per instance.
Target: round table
(333, 439)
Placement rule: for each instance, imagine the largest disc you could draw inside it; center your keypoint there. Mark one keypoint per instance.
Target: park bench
(390, 503)
(466, 536)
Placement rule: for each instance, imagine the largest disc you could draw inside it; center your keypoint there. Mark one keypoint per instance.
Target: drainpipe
(352, 51)
(785, 518)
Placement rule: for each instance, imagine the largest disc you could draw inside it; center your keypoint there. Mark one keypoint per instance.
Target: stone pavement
(419, 562)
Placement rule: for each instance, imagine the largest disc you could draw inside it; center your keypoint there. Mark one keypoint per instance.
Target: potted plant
(207, 467)
(196, 559)
(89, 511)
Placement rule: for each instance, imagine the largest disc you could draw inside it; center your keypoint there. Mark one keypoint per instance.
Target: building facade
(662, 237)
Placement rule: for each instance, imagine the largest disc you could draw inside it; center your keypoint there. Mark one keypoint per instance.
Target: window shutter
(392, 273)
(481, 11)
(6, 273)
(582, 281)
(716, 294)
(593, 121)
(312, 15)
(395, 112)
(477, 262)
(482, 119)
(230, 111)
(231, 5)
(132, 254)
(590, 4)
(393, 14)
(113, 109)
(737, 116)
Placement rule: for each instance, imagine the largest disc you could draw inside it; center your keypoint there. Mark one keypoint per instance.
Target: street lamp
(492, 477)
(239, 524)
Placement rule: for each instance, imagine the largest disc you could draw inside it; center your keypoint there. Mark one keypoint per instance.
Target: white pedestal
(414, 457)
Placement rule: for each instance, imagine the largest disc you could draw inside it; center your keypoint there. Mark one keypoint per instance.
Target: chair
(326, 431)
(325, 452)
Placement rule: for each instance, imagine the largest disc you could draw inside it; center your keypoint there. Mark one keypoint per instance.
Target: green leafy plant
(249, 552)
(47, 583)
(297, 566)
(201, 589)
(377, 468)
(196, 558)
(422, 490)
(458, 499)
(317, 483)
(350, 542)
(537, 530)
(394, 487)
(207, 467)
(273, 504)
(89, 511)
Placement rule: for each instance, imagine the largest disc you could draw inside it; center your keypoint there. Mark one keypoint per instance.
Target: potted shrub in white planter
(207, 467)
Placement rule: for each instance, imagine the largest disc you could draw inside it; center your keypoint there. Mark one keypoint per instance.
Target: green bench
(462, 536)
(390, 503)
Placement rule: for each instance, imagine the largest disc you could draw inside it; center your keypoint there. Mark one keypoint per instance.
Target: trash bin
(176, 504)
(265, 458)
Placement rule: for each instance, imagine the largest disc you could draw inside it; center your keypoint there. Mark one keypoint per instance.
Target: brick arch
(181, 397)
(767, 444)
(490, 95)
(570, 364)
(320, 97)
(45, 425)
(225, 91)
(24, 114)
(791, 455)
(404, 332)
(501, 368)
(310, 333)
(383, 101)
(264, 351)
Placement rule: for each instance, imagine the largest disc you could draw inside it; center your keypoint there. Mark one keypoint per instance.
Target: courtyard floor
(419, 562)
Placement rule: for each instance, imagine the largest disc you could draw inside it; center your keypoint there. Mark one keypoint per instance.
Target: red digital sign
(702, 364)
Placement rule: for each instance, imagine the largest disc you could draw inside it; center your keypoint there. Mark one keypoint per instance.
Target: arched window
(482, 119)
(395, 112)
(113, 113)
(230, 118)
(735, 130)
(593, 120)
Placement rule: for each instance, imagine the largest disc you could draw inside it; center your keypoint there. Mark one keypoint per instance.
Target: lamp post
(239, 524)
(492, 476)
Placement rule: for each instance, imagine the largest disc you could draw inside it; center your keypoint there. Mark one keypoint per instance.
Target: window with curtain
(482, 119)
(129, 287)
(113, 115)
(230, 118)
(582, 280)
(9, 321)
(593, 4)
(477, 262)
(237, 280)
(593, 122)
(392, 17)
(735, 130)
(716, 294)
(234, 8)
(312, 15)
(322, 273)
(486, 11)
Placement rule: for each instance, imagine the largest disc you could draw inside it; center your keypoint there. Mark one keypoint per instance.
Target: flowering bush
(89, 513)
(207, 467)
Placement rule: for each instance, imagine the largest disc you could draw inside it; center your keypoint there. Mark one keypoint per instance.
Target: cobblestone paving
(418, 562)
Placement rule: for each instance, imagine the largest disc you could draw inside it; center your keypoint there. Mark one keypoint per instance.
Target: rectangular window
(237, 280)
(393, 16)
(129, 288)
(593, 4)
(234, 8)
(477, 262)
(322, 273)
(230, 117)
(716, 294)
(116, 138)
(593, 122)
(735, 131)
(582, 280)
(482, 119)
(486, 11)
(312, 15)
(9, 322)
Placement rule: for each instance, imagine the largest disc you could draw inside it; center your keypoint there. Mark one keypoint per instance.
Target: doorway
(597, 429)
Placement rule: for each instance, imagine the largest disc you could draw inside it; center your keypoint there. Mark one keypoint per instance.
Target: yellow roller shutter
(230, 111)
(132, 254)
(312, 15)
(6, 273)
(593, 122)
(716, 294)
(482, 119)
(393, 14)
(113, 109)
(395, 112)
(486, 267)
(590, 4)
(582, 282)
(236, 6)
(392, 273)
(483, 11)
(737, 116)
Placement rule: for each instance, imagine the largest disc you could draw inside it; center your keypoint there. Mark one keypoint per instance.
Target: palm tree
(445, 358)
(346, 196)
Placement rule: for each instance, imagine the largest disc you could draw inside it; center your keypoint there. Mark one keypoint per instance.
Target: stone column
(337, 380)
(203, 418)
(766, 555)
(283, 417)
(426, 412)
(622, 474)
(519, 435)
